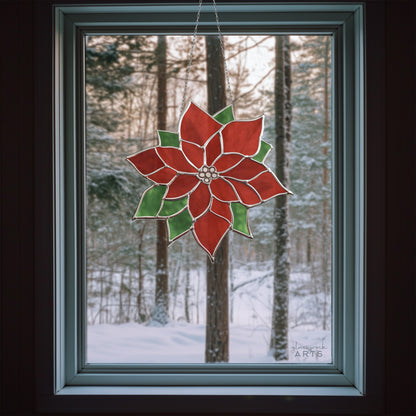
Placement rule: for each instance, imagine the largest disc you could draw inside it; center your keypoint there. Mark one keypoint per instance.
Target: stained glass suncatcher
(207, 176)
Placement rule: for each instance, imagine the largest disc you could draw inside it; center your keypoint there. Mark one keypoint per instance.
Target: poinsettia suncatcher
(207, 176)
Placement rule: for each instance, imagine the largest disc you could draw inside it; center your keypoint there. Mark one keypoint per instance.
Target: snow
(185, 343)
(181, 342)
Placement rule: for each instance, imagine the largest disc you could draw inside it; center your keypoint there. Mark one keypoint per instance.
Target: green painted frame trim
(345, 23)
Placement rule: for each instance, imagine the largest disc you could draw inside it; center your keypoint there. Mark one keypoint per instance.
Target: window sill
(211, 391)
(208, 400)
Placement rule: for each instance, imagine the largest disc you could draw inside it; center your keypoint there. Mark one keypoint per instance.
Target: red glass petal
(197, 126)
(242, 136)
(267, 186)
(247, 194)
(213, 149)
(227, 161)
(181, 186)
(175, 159)
(146, 162)
(221, 208)
(209, 230)
(163, 176)
(245, 170)
(199, 200)
(223, 190)
(194, 153)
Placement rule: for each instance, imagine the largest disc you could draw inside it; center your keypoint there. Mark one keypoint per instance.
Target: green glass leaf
(168, 138)
(172, 207)
(240, 222)
(151, 201)
(225, 116)
(262, 153)
(179, 224)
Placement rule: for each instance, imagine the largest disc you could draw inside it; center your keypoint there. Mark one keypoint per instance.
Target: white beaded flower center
(207, 173)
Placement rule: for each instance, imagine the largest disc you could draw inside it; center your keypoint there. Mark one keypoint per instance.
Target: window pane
(125, 323)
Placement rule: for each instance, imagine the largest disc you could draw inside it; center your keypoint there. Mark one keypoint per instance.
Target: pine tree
(111, 183)
(311, 180)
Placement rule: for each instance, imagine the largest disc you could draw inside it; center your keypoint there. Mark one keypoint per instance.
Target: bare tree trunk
(299, 257)
(326, 252)
(128, 314)
(108, 290)
(101, 296)
(141, 312)
(231, 274)
(279, 336)
(120, 300)
(187, 287)
(217, 327)
(160, 314)
(198, 286)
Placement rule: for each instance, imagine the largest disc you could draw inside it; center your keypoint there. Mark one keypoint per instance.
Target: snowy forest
(265, 299)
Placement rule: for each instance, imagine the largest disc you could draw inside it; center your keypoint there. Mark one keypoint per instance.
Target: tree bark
(217, 326)
(326, 246)
(187, 287)
(141, 311)
(283, 114)
(160, 314)
(120, 300)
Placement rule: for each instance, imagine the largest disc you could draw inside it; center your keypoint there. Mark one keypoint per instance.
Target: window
(342, 374)
(124, 326)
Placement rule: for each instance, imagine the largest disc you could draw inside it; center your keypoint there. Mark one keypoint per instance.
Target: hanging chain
(220, 36)
(190, 56)
(227, 76)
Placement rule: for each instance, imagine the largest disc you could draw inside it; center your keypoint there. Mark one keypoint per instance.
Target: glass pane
(135, 314)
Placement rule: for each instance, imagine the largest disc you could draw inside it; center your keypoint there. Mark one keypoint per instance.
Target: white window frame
(344, 380)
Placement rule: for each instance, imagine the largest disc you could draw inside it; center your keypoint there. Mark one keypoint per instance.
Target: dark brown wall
(391, 66)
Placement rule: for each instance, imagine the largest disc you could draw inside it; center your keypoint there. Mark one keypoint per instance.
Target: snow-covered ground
(251, 305)
(184, 343)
